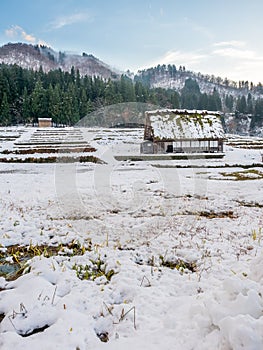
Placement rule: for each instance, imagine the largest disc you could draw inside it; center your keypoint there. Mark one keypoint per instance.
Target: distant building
(182, 131)
(44, 122)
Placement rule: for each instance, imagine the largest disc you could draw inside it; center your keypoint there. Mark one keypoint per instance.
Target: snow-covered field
(137, 255)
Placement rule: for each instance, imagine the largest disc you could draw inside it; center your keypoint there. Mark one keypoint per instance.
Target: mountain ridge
(169, 77)
(35, 56)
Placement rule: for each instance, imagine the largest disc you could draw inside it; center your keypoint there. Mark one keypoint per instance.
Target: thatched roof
(178, 124)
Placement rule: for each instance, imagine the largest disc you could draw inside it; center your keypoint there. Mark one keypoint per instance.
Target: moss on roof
(171, 124)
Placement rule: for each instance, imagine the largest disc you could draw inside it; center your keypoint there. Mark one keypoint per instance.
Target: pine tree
(5, 118)
(38, 100)
(190, 94)
(26, 108)
(127, 89)
(242, 104)
(229, 102)
(250, 108)
(175, 100)
(203, 102)
(259, 107)
(54, 103)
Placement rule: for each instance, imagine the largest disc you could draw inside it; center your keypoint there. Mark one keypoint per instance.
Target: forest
(66, 97)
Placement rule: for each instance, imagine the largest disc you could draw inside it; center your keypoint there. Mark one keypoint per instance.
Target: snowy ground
(170, 258)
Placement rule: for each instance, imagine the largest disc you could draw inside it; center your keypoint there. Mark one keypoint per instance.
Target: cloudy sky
(220, 37)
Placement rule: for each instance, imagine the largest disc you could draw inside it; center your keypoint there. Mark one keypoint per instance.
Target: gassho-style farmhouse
(182, 131)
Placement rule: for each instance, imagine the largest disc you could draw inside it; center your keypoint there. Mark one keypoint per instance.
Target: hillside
(171, 77)
(34, 57)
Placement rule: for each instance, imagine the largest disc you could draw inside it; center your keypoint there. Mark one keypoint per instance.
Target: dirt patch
(210, 214)
(51, 150)
(250, 204)
(63, 159)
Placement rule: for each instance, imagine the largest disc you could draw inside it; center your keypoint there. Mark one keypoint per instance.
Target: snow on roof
(170, 124)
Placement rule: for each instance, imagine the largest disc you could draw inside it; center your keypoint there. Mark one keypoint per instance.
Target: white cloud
(231, 43)
(231, 59)
(180, 58)
(11, 32)
(241, 62)
(237, 61)
(63, 21)
(17, 32)
(237, 50)
(237, 53)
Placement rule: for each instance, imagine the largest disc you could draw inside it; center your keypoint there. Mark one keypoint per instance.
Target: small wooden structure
(182, 131)
(44, 122)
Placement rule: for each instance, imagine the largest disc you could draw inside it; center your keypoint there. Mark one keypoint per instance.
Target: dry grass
(15, 257)
(250, 174)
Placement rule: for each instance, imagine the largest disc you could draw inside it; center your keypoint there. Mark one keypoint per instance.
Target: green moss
(179, 124)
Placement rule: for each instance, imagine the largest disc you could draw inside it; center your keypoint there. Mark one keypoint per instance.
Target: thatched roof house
(177, 130)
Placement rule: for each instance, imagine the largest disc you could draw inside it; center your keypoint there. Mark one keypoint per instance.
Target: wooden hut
(44, 122)
(182, 131)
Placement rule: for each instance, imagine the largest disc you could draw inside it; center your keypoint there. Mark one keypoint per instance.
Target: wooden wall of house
(147, 147)
(188, 146)
(44, 123)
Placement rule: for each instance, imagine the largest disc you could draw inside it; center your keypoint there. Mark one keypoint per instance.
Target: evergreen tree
(83, 103)
(175, 100)
(5, 117)
(217, 101)
(39, 102)
(212, 103)
(190, 94)
(140, 92)
(26, 108)
(259, 108)
(229, 102)
(203, 102)
(241, 104)
(127, 89)
(250, 108)
(54, 103)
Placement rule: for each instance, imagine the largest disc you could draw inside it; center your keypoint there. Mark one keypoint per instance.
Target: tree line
(66, 97)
